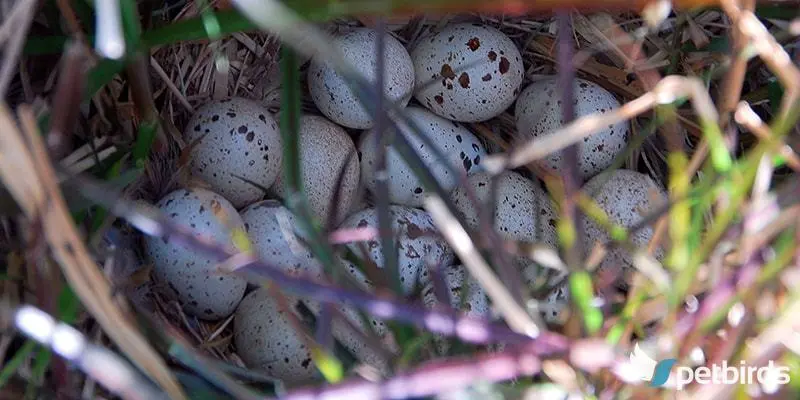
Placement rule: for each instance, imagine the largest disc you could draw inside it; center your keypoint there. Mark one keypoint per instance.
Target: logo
(655, 372)
(658, 373)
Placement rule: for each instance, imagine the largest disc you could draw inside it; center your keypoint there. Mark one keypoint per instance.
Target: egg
(538, 113)
(461, 148)
(234, 139)
(467, 72)
(333, 95)
(273, 231)
(459, 283)
(325, 148)
(355, 343)
(418, 243)
(524, 212)
(627, 197)
(189, 275)
(266, 339)
(363, 283)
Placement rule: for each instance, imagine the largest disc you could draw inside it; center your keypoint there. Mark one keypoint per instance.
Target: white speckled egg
(523, 212)
(467, 72)
(356, 342)
(266, 340)
(186, 274)
(627, 197)
(476, 304)
(458, 282)
(333, 96)
(378, 326)
(324, 149)
(240, 138)
(419, 243)
(272, 229)
(460, 147)
(538, 113)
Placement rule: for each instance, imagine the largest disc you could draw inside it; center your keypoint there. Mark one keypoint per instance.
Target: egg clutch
(459, 74)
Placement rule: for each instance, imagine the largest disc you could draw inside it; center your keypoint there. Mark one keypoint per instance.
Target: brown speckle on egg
(447, 72)
(504, 65)
(474, 44)
(463, 80)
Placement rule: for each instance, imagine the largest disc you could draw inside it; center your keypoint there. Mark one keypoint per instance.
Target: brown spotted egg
(266, 339)
(234, 139)
(464, 294)
(333, 95)
(191, 277)
(538, 113)
(271, 228)
(326, 151)
(460, 147)
(418, 243)
(627, 197)
(467, 72)
(523, 212)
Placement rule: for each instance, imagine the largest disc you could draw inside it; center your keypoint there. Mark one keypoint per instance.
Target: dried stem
(389, 250)
(434, 377)
(734, 79)
(516, 316)
(570, 224)
(29, 175)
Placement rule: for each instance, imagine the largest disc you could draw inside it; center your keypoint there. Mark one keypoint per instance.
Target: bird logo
(655, 372)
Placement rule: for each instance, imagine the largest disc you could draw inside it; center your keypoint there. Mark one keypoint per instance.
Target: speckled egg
(460, 147)
(272, 229)
(467, 72)
(233, 139)
(627, 197)
(266, 340)
(361, 280)
(333, 95)
(459, 283)
(324, 149)
(186, 274)
(419, 243)
(538, 113)
(523, 212)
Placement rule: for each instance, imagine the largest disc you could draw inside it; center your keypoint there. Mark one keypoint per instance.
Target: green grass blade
(580, 284)
(12, 365)
(40, 364)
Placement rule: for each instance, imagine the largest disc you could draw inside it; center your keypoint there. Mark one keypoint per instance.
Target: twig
(667, 91)
(771, 52)
(434, 377)
(389, 250)
(734, 79)
(748, 118)
(71, 82)
(172, 88)
(29, 176)
(516, 317)
(142, 96)
(18, 24)
(571, 221)
(102, 365)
